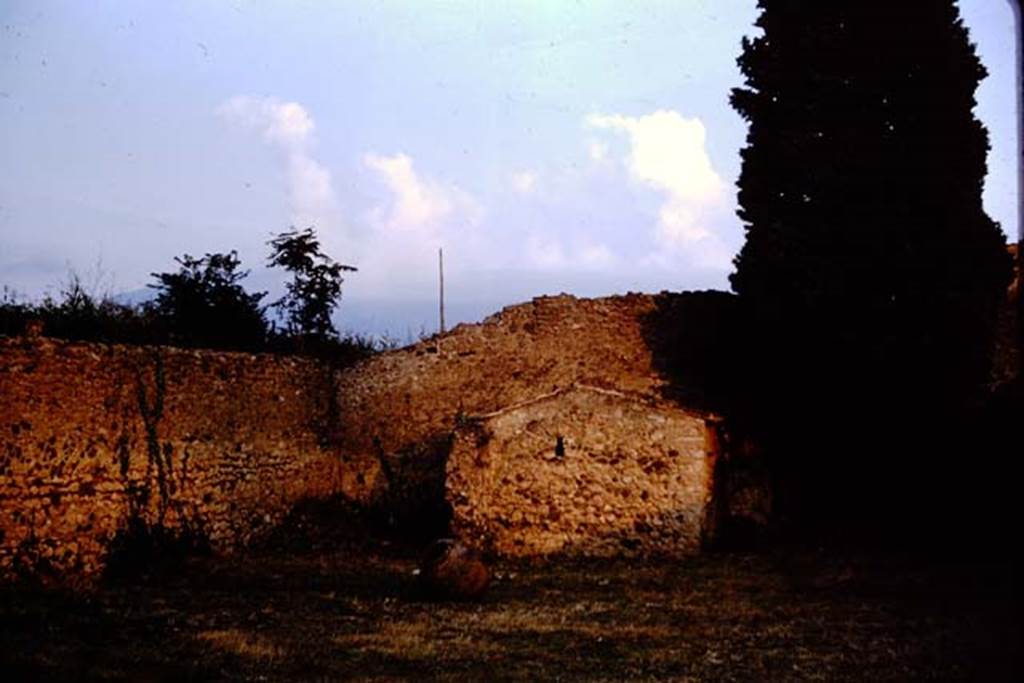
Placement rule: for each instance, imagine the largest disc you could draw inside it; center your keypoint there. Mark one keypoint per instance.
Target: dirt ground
(341, 610)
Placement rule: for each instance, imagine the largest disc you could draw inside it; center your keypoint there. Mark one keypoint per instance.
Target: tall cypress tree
(870, 273)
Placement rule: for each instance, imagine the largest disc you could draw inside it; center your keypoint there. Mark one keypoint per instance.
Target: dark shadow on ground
(351, 614)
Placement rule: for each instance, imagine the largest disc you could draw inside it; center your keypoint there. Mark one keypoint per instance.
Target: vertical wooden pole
(1018, 20)
(440, 270)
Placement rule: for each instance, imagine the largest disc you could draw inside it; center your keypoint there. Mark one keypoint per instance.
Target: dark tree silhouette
(315, 287)
(79, 313)
(870, 275)
(204, 304)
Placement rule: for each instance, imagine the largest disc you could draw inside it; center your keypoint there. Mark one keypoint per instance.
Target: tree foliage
(204, 304)
(870, 275)
(78, 312)
(314, 290)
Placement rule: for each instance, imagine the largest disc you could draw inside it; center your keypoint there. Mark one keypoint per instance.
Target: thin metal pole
(440, 271)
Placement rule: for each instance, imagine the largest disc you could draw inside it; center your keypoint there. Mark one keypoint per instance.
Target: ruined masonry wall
(396, 400)
(631, 477)
(224, 443)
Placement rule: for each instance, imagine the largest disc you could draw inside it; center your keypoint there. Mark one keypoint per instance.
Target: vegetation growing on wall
(314, 290)
(78, 314)
(204, 304)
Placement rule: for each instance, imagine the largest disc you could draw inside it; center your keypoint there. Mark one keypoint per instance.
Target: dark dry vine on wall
(151, 412)
(142, 544)
(325, 414)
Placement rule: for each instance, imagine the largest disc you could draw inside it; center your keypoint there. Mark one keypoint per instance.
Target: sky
(584, 147)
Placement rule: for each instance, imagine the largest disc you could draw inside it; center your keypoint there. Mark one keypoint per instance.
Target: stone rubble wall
(219, 443)
(92, 435)
(583, 472)
(405, 408)
(393, 401)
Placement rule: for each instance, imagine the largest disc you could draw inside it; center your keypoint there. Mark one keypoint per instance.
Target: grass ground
(350, 611)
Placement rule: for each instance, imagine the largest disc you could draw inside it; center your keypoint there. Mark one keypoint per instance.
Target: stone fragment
(450, 570)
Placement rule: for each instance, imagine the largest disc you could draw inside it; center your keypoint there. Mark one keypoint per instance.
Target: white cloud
(311, 193)
(523, 182)
(417, 203)
(289, 127)
(598, 151)
(284, 123)
(679, 221)
(417, 215)
(290, 123)
(667, 153)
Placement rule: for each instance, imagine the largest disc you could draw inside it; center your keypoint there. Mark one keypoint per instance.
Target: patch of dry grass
(419, 638)
(344, 615)
(241, 643)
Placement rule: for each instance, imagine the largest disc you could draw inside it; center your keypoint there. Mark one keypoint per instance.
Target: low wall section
(219, 443)
(585, 472)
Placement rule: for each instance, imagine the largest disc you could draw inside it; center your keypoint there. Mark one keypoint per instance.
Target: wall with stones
(224, 443)
(583, 471)
(219, 443)
(394, 401)
(402, 407)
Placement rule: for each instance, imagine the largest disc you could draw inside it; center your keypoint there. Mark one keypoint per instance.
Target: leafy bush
(204, 304)
(79, 315)
(315, 288)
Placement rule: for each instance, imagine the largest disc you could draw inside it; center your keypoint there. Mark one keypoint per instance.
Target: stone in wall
(222, 444)
(583, 471)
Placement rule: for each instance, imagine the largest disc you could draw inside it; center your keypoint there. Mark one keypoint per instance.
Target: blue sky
(585, 147)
